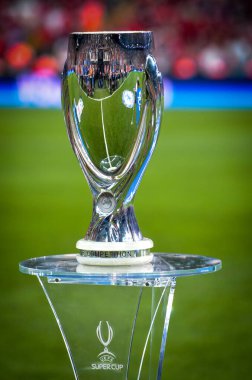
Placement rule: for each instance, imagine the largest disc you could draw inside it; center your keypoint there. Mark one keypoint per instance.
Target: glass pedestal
(114, 320)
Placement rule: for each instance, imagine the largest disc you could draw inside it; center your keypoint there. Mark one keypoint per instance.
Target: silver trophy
(112, 96)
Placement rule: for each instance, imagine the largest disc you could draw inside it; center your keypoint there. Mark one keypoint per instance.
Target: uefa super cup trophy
(112, 96)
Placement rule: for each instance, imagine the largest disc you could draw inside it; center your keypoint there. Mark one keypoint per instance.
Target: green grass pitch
(195, 197)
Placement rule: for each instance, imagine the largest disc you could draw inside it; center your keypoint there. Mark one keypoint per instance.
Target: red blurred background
(193, 38)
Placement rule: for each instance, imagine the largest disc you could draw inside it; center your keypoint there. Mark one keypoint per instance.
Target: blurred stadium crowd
(193, 38)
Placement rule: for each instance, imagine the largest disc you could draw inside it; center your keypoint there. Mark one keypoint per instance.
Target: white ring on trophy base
(100, 246)
(114, 261)
(90, 245)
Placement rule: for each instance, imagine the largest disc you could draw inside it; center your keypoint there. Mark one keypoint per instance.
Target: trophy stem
(119, 226)
(116, 333)
(114, 240)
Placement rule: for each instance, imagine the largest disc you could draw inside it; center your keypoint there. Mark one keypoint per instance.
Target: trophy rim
(116, 32)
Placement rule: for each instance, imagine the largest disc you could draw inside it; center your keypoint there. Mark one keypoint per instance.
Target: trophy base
(114, 253)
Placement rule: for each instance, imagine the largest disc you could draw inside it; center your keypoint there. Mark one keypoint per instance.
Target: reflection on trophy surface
(112, 97)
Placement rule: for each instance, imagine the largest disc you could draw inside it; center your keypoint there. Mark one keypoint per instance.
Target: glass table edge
(160, 278)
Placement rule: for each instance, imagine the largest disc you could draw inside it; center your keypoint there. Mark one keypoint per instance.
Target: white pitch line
(104, 136)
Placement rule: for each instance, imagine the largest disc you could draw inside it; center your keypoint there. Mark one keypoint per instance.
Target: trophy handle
(148, 135)
(93, 175)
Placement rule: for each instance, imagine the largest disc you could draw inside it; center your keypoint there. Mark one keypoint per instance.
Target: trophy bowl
(112, 98)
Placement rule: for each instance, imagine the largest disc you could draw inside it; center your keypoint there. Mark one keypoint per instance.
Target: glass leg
(112, 332)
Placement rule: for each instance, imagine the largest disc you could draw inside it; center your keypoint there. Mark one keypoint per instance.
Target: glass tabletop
(66, 269)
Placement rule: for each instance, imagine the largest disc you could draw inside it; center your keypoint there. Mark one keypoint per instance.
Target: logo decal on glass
(105, 355)
(105, 334)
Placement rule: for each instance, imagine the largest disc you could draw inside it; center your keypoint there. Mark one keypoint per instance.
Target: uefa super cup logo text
(106, 357)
